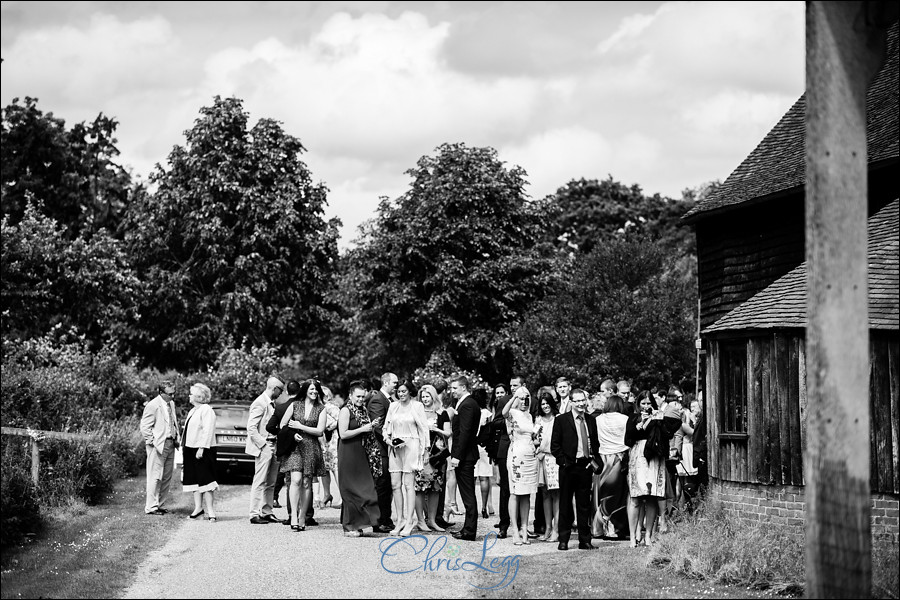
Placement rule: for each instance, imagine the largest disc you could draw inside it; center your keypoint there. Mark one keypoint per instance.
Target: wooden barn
(752, 282)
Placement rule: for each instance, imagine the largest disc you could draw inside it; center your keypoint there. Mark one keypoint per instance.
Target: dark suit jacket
(377, 406)
(498, 441)
(564, 443)
(286, 442)
(465, 430)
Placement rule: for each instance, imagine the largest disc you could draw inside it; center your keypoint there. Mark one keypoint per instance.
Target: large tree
(623, 312)
(452, 264)
(232, 246)
(72, 172)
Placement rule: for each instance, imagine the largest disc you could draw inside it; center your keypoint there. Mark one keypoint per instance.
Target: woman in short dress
(548, 469)
(521, 463)
(484, 470)
(429, 481)
(199, 470)
(406, 434)
(646, 467)
(307, 416)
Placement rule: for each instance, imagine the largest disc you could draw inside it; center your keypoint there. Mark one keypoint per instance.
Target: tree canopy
(72, 173)
(232, 246)
(452, 263)
(621, 312)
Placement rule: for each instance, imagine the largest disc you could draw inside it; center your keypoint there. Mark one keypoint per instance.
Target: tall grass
(711, 545)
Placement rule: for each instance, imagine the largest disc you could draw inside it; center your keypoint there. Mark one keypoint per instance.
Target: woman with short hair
(406, 434)
(199, 469)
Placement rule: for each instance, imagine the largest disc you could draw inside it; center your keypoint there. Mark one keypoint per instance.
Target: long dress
(612, 487)
(307, 455)
(359, 508)
(548, 469)
(484, 468)
(645, 477)
(521, 462)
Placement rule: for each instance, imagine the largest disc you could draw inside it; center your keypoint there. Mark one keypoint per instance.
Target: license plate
(231, 439)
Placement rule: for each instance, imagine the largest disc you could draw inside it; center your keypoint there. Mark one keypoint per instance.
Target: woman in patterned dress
(305, 463)
(646, 475)
(521, 463)
(548, 470)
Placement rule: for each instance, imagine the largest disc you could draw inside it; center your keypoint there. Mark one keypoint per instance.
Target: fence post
(35, 461)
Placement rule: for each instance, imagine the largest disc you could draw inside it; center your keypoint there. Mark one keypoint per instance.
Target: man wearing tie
(159, 427)
(574, 444)
(261, 445)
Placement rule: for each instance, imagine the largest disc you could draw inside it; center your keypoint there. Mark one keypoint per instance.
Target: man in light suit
(465, 453)
(574, 445)
(261, 445)
(159, 428)
(377, 407)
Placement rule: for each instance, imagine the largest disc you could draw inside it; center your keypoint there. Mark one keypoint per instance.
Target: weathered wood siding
(773, 449)
(744, 251)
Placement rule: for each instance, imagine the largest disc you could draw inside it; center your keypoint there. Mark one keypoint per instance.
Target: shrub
(19, 510)
(74, 469)
(240, 373)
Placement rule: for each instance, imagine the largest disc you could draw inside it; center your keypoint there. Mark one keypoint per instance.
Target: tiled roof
(778, 162)
(783, 304)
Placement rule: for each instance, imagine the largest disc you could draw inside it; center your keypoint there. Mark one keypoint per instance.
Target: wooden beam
(844, 50)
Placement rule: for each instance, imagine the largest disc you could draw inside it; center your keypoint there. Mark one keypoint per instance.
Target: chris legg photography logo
(405, 555)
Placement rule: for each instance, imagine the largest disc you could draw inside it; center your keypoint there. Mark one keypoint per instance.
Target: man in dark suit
(377, 407)
(292, 391)
(574, 444)
(464, 453)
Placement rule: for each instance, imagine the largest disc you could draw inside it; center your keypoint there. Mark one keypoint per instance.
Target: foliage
(74, 469)
(587, 211)
(712, 545)
(19, 510)
(57, 383)
(232, 244)
(451, 263)
(50, 280)
(240, 373)
(73, 172)
(619, 314)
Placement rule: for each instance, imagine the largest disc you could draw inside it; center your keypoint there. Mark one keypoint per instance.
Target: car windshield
(226, 416)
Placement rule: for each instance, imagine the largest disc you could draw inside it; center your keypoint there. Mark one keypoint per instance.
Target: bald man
(261, 445)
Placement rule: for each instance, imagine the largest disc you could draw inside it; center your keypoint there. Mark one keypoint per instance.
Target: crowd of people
(611, 464)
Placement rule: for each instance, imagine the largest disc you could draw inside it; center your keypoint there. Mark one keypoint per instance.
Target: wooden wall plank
(755, 413)
(782, 357)
(773, 450)
(793, 404)
(713, 399)
(804, 402)
(894, 377)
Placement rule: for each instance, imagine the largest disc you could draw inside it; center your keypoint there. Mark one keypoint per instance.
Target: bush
(74, 469)
(19, 510)
(240, 373)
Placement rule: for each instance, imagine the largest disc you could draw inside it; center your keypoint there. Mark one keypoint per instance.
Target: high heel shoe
(435, 527)
(454, 510)
(423, 527)
(406, 531)
(484, 513)
(401, 524)
(195, 515)
(327, 500)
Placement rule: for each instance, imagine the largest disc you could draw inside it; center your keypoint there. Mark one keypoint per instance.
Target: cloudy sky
(666, 95)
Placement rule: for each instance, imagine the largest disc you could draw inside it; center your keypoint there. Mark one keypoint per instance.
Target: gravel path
(235, 559)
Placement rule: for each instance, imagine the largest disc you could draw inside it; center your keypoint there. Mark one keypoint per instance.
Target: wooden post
(35, 461)
(843, 53)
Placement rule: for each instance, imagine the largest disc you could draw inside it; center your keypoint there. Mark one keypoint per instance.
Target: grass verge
(92, 551)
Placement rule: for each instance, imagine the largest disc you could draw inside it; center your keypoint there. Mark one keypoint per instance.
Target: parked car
(231, 438)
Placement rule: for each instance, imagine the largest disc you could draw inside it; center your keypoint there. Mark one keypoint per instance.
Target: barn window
(734, 388)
